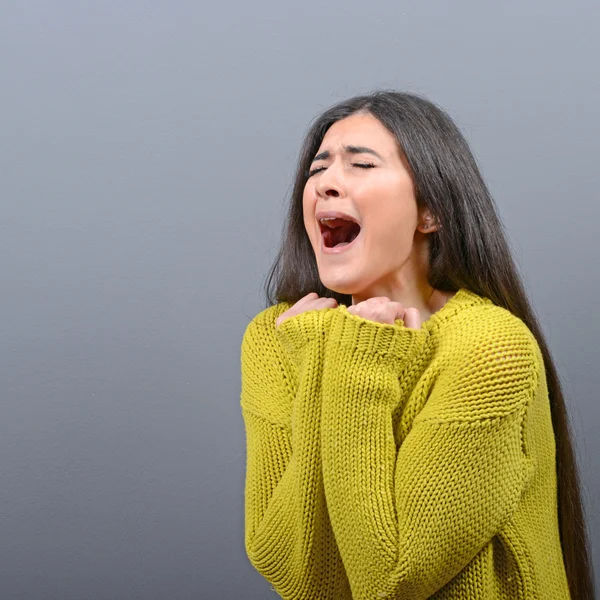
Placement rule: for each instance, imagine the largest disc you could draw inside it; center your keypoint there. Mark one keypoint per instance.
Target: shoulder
(261, 328)
(488, 327)
(262, 325)
(488, 364)
(260, 337)
(267, 316)
(266, 372)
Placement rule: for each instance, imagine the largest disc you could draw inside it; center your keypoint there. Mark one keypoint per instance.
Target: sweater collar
(463, 299)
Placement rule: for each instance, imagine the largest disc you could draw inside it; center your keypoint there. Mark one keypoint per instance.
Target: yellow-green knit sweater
(389, 462)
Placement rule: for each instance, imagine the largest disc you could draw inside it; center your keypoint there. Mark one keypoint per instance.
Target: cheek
(390, 212)
(390, 201)
(308, 213)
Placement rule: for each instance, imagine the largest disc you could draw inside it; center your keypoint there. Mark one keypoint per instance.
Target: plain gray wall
(147, 149)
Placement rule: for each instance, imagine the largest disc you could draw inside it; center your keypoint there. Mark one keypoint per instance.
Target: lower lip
(338, 249)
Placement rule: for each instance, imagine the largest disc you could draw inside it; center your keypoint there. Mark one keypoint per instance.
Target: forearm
(408, 519)
(288, 537)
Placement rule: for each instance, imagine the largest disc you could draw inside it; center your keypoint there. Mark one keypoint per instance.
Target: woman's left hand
(382, 310)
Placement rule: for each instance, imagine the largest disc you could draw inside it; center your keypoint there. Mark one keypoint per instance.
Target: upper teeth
(332, 219)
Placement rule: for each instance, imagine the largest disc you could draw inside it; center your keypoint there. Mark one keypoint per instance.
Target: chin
(340, 287)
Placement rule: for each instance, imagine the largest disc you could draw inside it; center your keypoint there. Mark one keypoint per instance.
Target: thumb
(412, 318)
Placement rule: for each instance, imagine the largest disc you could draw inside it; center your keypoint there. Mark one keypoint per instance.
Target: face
(370, 183)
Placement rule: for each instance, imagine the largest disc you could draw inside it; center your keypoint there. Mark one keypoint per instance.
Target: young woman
(407, 435)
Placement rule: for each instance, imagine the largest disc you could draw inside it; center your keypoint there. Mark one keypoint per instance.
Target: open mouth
(338, 232)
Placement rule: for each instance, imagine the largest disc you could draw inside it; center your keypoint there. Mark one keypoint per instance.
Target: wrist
(392, 344)
(296, 332)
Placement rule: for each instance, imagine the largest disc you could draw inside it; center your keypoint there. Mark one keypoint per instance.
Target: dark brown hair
(470, 250)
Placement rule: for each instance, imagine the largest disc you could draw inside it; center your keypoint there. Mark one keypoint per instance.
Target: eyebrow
(349, 150)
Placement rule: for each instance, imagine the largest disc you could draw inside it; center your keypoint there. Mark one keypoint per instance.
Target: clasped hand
(379, 309)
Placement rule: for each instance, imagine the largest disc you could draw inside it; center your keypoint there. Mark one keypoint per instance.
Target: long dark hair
(470, 250)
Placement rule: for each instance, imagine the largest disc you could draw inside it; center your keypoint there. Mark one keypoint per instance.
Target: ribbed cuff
(393, 344)
(295, 333)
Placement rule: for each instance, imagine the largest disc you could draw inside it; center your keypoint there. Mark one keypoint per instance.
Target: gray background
(147, 149)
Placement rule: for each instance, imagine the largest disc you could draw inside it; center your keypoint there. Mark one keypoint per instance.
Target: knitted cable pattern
(387, 462)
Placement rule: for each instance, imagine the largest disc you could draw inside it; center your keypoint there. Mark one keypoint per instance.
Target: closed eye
(360, 165)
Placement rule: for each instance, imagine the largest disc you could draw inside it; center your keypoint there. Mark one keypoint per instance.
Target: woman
(406, 431)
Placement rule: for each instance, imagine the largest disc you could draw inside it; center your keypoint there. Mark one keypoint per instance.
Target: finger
(398, 309)
(326, 301)
(319, 303)
(412, 318)
(309, 296)
(306, 299)
(386, 313)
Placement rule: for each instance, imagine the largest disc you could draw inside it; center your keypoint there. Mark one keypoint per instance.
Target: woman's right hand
(309, 302)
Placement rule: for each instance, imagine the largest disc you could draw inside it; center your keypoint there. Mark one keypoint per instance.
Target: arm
(407, 521)
(288, 536)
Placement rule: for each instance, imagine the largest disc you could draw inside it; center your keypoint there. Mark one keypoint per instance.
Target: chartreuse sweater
(398, 463)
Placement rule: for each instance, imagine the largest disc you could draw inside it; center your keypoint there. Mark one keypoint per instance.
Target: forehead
(359, 130)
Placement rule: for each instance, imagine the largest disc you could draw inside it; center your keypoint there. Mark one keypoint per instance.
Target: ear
(427, 223)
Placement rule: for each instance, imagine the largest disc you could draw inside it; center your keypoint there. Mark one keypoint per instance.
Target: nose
(329, 183)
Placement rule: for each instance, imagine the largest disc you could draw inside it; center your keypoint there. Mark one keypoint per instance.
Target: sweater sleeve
(288, 535)
(409, 519)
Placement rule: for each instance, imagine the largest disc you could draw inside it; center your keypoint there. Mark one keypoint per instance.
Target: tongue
(341, 236)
